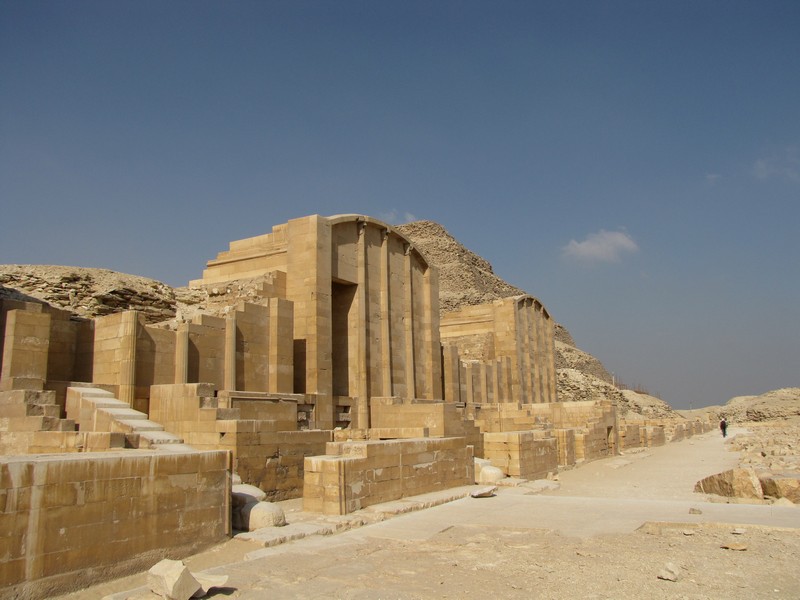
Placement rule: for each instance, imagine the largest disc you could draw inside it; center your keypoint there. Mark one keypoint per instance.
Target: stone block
(172, 580)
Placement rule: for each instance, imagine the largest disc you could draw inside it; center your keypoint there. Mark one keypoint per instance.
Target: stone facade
(341, 384)
(508, 350)
(65, 516)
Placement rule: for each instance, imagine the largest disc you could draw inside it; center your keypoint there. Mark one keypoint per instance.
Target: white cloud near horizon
(601, 247)
(784, 165)
(393, 218)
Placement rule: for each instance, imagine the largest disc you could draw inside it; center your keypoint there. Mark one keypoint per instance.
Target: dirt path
(608, 532)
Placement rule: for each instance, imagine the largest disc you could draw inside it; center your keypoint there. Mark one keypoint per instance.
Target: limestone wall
(357, 474)
(518, 329)
(630, 436)
(439, 419)
(67, 521)
(566, 446)
(267, 452)
(366, 320)
(523, 454)
(25, 349)
(653, 436)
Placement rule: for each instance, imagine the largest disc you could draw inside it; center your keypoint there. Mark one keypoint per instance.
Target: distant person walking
(723, 427)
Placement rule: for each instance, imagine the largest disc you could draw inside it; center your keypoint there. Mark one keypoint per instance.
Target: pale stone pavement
(610, 496)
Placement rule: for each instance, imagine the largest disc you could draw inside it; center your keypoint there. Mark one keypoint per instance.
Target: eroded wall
(65, 516)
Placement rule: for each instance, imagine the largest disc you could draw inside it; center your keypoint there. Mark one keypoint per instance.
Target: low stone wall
(357, 474)
(273, 461)
(566, 446)
(68, 522)
(523, 454)
(653, 436)
(630, 436)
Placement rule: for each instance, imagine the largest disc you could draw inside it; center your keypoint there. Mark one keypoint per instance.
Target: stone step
(127, 413)
(92, 392)
(107, 403)
(140, 425)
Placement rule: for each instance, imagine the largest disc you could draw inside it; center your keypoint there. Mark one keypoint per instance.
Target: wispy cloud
(781, 165)
(712, 178)
(393, 217)
(601, 247)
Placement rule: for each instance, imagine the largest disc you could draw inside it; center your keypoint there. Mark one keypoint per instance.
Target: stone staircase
(94, 409)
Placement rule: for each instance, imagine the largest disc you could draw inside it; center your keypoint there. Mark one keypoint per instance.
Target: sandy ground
(608, 532)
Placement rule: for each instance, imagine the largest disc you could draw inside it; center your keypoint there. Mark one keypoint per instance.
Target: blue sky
(635, 165)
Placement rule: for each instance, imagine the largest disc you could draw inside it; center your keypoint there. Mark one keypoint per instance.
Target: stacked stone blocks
(64, 516)
(357, 474)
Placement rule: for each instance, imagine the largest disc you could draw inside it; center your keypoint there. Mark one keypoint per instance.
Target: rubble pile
(88, 292)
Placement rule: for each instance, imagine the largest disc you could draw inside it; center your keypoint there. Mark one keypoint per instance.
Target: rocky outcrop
(570, 357)
(769, 447)
(577, 386)
(645, 406)
(88, 292)
(776, 405)
(735, 483)
(91, 293)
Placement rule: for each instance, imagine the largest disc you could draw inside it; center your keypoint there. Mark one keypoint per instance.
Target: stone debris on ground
(669, 573)
(486, 492)
(734, 483)
(171, 579)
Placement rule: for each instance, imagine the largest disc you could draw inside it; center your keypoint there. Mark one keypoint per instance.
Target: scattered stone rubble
(770, 455)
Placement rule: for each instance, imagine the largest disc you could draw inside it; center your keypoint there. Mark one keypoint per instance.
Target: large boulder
(736, 483)
(782, 485)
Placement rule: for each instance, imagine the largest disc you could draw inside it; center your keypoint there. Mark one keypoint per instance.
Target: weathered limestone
(365, 308)
(781, 485)
(519, 332)
(140, 505)
(333, 385)
(522, 454)
(25, 350)
(257, 515)
(171, 579)
(259, 429)
(354, 475)
(734, 483)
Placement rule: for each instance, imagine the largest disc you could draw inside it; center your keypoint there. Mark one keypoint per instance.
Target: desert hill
(775, 405)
